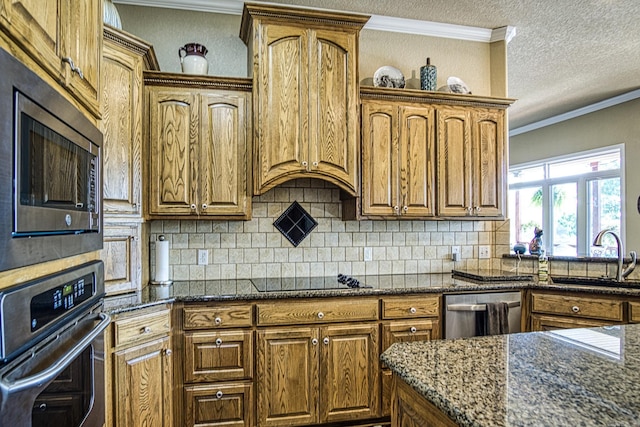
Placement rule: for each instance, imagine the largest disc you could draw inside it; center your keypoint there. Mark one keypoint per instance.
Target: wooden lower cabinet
(143, 385)
(541, 322)
(309, 375)
(225, 404)
(409, 409)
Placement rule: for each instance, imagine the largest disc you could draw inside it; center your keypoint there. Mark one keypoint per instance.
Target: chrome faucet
(620, 274)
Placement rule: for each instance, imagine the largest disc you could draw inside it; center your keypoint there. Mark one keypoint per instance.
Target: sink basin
(593, 281)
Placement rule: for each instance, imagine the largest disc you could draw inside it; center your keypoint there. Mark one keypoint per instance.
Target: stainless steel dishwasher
(461, 312)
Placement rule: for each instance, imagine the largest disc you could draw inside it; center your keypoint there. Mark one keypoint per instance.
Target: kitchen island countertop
(585, 377)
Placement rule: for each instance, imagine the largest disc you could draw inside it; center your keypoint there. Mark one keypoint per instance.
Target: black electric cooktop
(280, 284)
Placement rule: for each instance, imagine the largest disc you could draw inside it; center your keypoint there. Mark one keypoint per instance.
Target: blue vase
(428, 76)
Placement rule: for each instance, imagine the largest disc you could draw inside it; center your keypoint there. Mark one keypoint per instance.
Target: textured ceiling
(567, 54)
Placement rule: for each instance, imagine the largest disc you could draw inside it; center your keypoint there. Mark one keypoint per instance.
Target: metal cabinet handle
(413, 329)
(193, 206)
(146, 330)
(575, 309)
(304, 163)
(73, 66)
(168, 352)
(478, 208)
(219, 342)
(204, 206)
(314, 341)
(315, 164)
(320, 315)
(217, 321)
(413, 310)
(469, 210)
(219, 394)
(405, 208)
(326, 341)
(396, 208)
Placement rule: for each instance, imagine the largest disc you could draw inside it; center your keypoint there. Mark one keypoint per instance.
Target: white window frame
(582, 215)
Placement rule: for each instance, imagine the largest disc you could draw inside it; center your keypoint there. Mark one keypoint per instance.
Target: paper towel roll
(162, 261)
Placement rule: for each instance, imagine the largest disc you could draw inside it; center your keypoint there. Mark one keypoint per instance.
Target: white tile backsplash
(252, 249)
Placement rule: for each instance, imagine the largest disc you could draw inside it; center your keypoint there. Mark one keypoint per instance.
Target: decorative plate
(455, 85)
(388, 76)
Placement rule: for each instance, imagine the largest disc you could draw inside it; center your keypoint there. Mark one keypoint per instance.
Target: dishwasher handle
(477, 307)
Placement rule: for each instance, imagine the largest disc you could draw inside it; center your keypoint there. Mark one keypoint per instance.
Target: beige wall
(614, 125)
(168, 29)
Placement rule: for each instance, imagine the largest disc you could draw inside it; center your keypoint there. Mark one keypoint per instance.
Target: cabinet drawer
(228, 316)
(570, 305)
(142, 327)
(409, 330)
(318, 311)
(218, 356)
(405, 308)
(227, 404)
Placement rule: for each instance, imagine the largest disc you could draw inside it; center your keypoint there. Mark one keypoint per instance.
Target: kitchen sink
(593, 281)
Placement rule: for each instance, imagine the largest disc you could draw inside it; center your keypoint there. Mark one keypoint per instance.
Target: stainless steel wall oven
(50, 172)
(52, 350)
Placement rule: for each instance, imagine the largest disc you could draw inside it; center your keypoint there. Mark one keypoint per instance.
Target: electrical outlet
(203, 257)
(455, 253)
(368, 254)
(484, 252)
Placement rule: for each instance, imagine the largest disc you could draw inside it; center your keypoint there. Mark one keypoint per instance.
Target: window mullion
(582, 218)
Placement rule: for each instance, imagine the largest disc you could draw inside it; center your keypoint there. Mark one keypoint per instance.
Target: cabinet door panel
(454, 161)
(379, 157)
(488, 162)
(350, 372)
(143, 392)
(333, 112)
(122, 256)
(223, 171)
(122, 128)
(282, 127)
(417, 161)
(173, 137)
(218, 356)
(287, 375)
(410, 330)
(540, 322)
(83, 44)
(211, 405)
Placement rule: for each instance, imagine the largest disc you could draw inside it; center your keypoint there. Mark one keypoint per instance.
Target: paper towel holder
(162, 283)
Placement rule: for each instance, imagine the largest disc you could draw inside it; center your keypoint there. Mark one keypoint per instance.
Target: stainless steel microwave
(50, 172)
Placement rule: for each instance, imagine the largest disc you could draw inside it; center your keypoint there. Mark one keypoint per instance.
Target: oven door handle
(59, 365)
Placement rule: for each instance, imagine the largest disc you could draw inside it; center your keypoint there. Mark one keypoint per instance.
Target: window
(571, 199)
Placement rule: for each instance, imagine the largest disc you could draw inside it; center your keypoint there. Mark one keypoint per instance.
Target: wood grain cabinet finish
(542, 322)
(398, 159)
(122, 256)
(634, 312)
(199, 147)
(218, 356)
(471, 162)
(60, 35)
(409, 409)
(581, 306)
(304, 67)
(224, 405)
(309, 375)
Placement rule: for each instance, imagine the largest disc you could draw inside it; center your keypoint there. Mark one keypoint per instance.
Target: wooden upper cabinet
(306, 94)
(398, 152)
(471, 162)
(57, 34)
(199, 147)
(124, 59)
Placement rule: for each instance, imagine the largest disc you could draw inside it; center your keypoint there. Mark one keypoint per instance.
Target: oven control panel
(50, 304)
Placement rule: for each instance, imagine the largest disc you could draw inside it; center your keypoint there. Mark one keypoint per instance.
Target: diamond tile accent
(295, 224)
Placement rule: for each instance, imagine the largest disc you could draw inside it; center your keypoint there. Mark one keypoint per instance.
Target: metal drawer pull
(412, 310)
(204, 206)
(219, 342)
(304, 163)
(575, 309)
(326, 340)
(477, 307)
(217, 321)
(314, 341)
(219, 394)
(146, 330)
(413, 330)
(321, 315)
(168, 352)
(193, 206)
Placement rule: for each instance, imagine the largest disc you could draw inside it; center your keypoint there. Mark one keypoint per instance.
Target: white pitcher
(192, 58)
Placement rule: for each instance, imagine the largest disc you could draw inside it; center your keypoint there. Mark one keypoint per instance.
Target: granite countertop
(585, 377)
(323, 287)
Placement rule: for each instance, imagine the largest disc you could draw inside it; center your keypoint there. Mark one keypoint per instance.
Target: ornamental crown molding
(376, 22)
